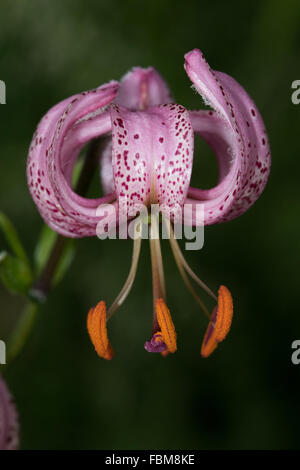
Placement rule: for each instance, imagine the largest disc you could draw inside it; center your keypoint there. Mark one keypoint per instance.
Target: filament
(132, 273)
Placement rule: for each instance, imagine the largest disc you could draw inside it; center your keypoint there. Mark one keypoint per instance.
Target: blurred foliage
(14, 273)
(247, 394)
(15, 270)
(43, 251)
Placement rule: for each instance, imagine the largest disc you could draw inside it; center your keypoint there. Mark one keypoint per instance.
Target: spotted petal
(152, 156)
(60, 136)
(139, 89)
(236, 133)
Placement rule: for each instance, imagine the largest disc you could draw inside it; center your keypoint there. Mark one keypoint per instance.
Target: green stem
(43, 283)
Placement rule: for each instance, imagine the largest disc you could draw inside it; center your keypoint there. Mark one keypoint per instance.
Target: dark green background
(246, 395)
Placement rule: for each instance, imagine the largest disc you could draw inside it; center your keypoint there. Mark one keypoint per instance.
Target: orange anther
(96, 325)
(220, 322)
(166, 325)
(224, 315)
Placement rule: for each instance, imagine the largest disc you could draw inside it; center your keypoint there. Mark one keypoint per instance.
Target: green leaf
(43, 248)
(13, 239)
(14, 273)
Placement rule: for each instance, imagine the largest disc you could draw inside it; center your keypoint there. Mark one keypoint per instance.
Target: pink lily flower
(149, 160)
(9, 427)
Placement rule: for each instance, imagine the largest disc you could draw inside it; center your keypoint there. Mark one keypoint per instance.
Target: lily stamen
(97, 318)
(163, 331)
(220, 322)
(132, 273)
(96, 325)
(158, 277)
(179, 256)
(221, 318)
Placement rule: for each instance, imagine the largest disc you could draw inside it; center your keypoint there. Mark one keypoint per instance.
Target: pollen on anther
(220, 322)
(166, 325)
(96, 325)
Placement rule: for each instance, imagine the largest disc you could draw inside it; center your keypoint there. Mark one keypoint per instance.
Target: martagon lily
(147, 159)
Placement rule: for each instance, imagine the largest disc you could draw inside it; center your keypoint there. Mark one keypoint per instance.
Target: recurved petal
(142, 88)
(106, 172)
(139, 89)
(9, 426)
(152, 155)
(236, 133)
(55, 146)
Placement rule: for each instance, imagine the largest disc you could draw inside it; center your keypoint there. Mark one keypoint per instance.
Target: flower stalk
(42, 285)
